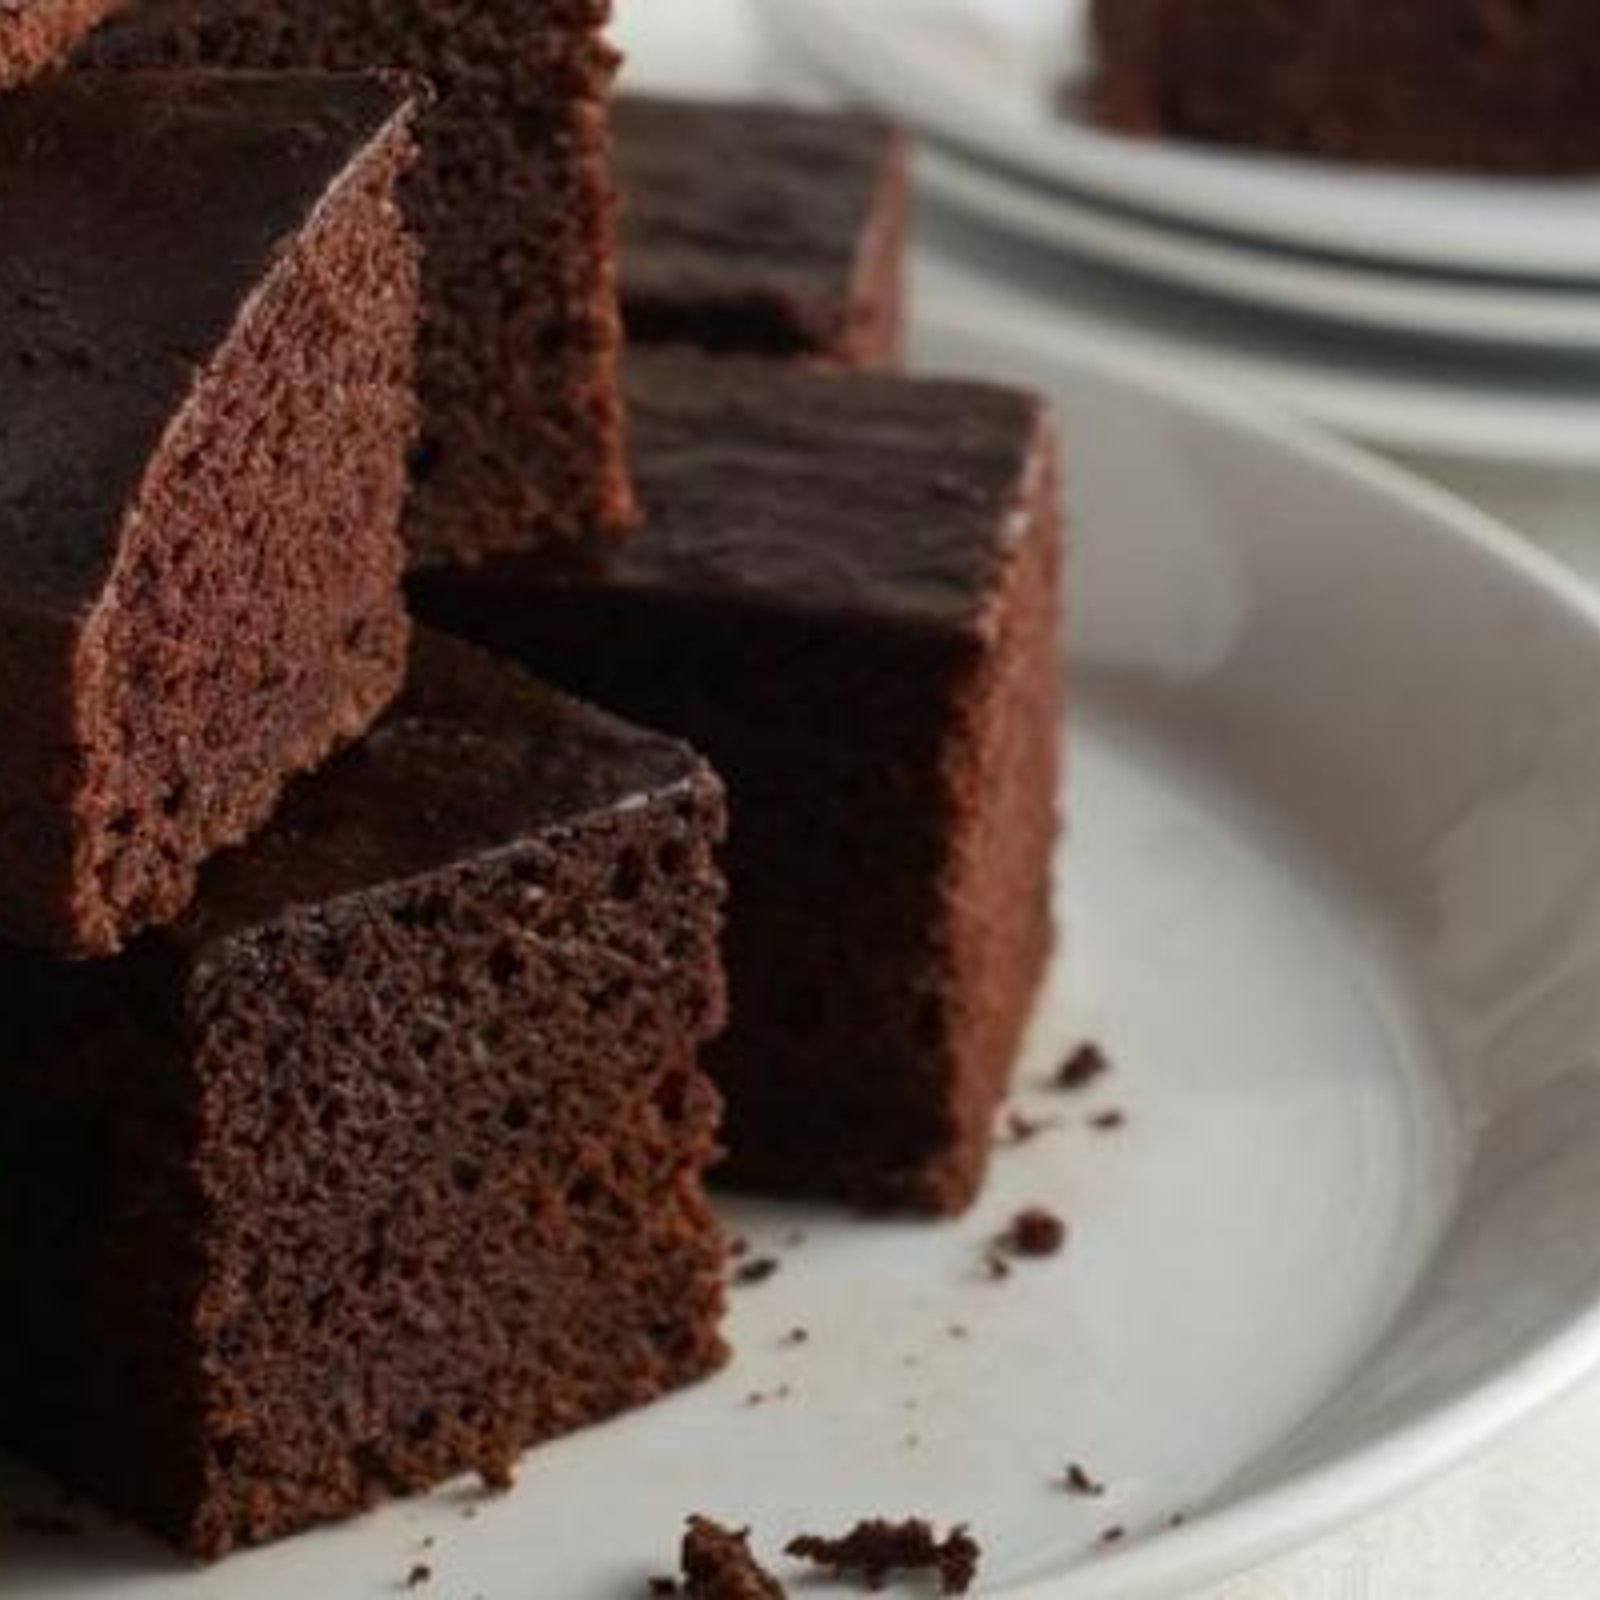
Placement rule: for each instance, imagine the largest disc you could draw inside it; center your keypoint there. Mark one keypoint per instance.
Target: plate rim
(1243, 273)
(1318, 1500)
(1411, 412)
(1189, 184)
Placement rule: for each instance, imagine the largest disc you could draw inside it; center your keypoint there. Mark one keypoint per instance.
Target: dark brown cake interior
(522, 442)
(201, 470)
(36, 34)
(385, 1162)
(845, 594)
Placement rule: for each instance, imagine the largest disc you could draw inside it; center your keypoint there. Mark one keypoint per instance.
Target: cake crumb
(1108, 1121)
(419, 1575)
(875, 1550)
(1178, 1519)
(1113, 1535)
(717, 1565)
(1020, 1128)
(756, 1270)
(1032, 1233)
(996, 1265)
(1077, 1480)
(1086, 1065)
(797, 1336)
(761, 1397)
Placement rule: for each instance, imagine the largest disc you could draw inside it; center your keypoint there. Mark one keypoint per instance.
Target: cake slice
(205, 362)
(385, 1161)
(845, 594)
(521, 444)
(1489, 85)
(36, 34)
(762, 230)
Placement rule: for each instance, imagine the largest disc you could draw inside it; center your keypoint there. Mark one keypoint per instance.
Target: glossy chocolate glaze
(844, 493)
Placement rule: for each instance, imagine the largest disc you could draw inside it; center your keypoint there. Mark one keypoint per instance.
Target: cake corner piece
(521, 446)
(203, 472)
(338, 1154)
(847, 594)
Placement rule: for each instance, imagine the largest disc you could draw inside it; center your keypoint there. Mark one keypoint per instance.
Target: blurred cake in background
(1493, 85)
(757, 229)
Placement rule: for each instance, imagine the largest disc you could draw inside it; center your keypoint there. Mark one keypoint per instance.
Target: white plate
(1559, 319)
(1332, 908)
(1502, 407)
(985, 77)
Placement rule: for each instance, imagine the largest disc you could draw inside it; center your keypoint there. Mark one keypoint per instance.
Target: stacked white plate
(1448, 314)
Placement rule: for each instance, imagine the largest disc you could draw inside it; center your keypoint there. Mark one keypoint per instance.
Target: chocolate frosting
(714, 194)
(839, 492)
(141, 211)
(474, 759)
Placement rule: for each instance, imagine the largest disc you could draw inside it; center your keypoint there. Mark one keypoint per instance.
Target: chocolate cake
(521, 438)
(762, 230)
(718, 1564)
(879, 1550)
(845, 594)
(205, 356)
(1496, 85)
(385, 1160)
(36, 34)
